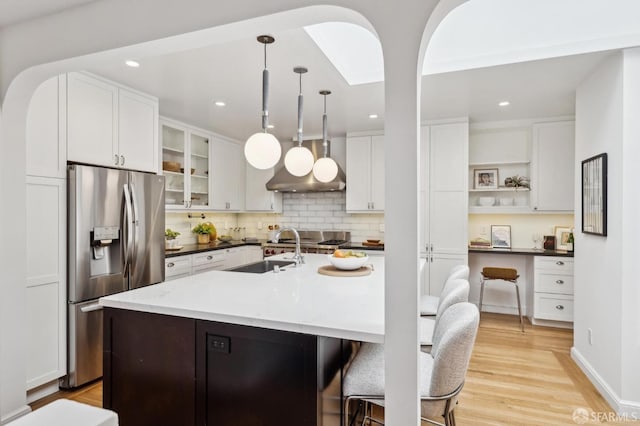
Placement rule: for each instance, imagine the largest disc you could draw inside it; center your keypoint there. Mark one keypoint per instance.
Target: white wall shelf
(503, 163)
(500, 189)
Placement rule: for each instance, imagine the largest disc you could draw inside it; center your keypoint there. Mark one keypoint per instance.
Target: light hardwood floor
(514, 378)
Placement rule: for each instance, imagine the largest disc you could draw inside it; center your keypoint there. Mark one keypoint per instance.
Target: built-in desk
(539, 299)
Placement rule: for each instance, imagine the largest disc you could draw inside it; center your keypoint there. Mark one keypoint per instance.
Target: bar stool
(504, 274)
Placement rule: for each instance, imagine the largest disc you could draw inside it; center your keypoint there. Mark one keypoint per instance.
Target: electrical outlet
(590, 336)
(259, 225)
(382, 227)
(483, 230)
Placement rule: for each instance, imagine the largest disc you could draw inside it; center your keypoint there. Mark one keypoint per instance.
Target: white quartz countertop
(295, 299)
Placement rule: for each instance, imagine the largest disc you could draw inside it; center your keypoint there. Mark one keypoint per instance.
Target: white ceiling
(13, 11)
(189, 82)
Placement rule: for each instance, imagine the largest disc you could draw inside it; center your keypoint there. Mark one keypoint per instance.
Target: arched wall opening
(401, 123)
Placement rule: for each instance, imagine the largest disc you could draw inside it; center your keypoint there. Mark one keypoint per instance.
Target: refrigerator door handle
(128, 220)
(91, 308)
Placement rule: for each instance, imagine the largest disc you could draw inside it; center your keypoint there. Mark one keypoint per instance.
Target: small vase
(203, 238)
(171, 243)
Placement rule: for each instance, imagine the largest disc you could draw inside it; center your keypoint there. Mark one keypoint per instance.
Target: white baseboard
(630, 409)
(42, 391)
(499, 309)
(15, 414)
(550, 323)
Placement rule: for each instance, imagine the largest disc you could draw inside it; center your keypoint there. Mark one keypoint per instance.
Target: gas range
(323, 242)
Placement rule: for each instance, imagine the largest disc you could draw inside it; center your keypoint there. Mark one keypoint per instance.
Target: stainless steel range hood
(283, 181)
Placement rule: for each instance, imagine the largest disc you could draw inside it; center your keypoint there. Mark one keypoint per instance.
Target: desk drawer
(562, 265)
(554, 307)
(553, 283)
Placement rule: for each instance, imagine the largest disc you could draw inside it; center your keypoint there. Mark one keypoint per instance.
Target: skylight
(354, 51)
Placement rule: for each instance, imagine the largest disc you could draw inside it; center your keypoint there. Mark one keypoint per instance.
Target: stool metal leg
(519, 308)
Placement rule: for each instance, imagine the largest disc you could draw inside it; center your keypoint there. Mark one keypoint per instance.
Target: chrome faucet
(297, 257)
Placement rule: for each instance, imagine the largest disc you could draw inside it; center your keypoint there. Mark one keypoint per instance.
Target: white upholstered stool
(64, 412)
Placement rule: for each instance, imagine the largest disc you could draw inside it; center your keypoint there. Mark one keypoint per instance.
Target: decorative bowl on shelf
(486, 201)
(348, 263)
(224, 238)
(171, 166)
(506, 201)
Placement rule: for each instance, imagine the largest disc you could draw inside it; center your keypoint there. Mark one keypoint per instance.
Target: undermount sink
(262, 266)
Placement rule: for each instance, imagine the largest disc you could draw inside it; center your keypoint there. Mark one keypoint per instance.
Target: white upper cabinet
(553, 166)
(110, 126)
(365, 174)
(137, 131)
(46, 130)
(186, 154)
(92, 107)
(257, 197)
(228, 176)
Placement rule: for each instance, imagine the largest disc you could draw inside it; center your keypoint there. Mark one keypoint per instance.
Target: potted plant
(203, 231)
(170, 237)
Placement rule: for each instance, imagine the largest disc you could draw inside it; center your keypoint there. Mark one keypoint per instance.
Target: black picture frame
(594, 195)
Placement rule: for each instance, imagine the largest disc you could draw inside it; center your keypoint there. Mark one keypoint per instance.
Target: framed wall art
(594, 195)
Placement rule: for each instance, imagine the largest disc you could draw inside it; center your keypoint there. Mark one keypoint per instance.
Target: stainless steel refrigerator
(116, 243)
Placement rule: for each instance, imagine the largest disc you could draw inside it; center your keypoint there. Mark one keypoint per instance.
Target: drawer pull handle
(559, 282)
(559, 307)
(560, 262)
(209, 257)
(170, 265)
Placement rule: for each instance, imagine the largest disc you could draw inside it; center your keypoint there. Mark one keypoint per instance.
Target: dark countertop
(528, 251)
(359, 246)
(218, 245)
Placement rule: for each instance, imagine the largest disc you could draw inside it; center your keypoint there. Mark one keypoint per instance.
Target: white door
(358, 195)
(227, 176)
(137, 132)
(91, 121)
(439, 268)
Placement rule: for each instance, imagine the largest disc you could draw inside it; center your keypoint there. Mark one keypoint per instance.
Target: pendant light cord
(265, 92)
(300, 108)
(325, 144)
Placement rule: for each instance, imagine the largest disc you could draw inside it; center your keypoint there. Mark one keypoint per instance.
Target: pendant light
(325, 169)
(262, 150)
(299, 160)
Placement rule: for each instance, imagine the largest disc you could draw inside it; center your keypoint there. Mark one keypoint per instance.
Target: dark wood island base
(167, 370)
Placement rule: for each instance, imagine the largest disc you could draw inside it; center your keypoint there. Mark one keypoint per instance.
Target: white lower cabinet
(208, 261)
(46, 288)
(177, 267)
(214, 260)
(553, 289)
(436, 270)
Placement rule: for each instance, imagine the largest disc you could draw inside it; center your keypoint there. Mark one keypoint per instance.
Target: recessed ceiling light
(132, 63)
(220, 103)
(270, 126)
(503, 103)
(373, 116)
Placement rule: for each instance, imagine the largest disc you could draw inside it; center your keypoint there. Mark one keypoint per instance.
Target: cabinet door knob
(560, 263)
(559, 307)
(209, 257)
(122, 160)
(116, 159)
(170, 265)
(559, 281)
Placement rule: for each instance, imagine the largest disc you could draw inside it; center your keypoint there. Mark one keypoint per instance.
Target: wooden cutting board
(368, 244)
(335, 272)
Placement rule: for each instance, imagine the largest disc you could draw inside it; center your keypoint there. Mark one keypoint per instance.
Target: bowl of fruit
(348, 259)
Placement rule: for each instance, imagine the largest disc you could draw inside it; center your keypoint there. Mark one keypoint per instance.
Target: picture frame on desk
(562, 237)
(485, 178)
(501, 236)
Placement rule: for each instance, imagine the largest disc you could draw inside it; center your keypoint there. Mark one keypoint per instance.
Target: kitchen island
(230, 348)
